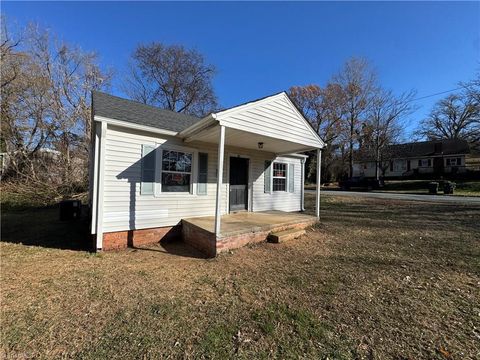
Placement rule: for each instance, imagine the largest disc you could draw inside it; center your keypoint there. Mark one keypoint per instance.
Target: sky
(264, 48)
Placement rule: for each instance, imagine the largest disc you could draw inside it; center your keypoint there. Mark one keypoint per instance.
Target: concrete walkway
(472, 200)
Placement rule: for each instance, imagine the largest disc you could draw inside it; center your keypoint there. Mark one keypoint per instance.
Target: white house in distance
(232, 177)
(439, 157)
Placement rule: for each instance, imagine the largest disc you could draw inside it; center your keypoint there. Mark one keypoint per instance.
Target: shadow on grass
(173, 247)
(42, 227)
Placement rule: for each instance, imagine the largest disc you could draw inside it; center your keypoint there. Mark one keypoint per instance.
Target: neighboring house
(426, 157)
(151, 168)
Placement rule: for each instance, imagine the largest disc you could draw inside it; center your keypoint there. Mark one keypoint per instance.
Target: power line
(439, 93)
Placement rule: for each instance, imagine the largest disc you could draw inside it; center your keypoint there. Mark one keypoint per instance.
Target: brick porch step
(281, 236)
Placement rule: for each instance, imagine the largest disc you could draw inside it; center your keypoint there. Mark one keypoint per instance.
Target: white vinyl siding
(274, 117)
(124, 207)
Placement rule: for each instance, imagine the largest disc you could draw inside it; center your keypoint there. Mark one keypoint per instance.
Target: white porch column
(319, 173)
(221, 148)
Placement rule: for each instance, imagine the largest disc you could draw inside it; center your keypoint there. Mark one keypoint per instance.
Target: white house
(153, 168)
(436, 157)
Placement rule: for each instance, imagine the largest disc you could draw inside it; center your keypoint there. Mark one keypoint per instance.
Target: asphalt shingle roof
(137, 113)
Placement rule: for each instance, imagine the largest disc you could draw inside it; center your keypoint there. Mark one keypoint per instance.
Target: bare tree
(45, 109)
(384, 125)
(172, 78)
(323, 108)
(457, 116)
(357, 80)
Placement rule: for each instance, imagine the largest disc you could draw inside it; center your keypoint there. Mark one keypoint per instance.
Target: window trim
(279, 177)
(448, 161)
(159, 170)
(427, 161)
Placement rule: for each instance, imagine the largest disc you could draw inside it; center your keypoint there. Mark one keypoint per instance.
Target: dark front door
(438, 165)
(238, 184)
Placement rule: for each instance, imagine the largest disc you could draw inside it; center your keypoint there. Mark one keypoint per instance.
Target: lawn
(463, 187)
(376, 279)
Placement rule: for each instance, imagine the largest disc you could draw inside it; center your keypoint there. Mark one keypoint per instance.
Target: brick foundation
(195, 236)
(132, 238)
(237, 241)
(199, 238)
(207, 242)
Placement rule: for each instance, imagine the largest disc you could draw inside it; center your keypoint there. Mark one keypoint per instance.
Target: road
(397, 196)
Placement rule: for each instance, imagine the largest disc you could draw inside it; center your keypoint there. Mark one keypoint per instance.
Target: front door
(238, 184)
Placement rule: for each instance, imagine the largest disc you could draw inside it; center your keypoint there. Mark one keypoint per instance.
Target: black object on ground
(70, 210)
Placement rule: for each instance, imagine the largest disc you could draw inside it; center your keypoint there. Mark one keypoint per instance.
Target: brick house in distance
(440, 157)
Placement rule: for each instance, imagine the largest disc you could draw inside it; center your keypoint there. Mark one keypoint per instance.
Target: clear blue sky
(263, 48)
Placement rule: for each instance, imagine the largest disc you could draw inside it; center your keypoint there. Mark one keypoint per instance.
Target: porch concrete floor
(244, 222)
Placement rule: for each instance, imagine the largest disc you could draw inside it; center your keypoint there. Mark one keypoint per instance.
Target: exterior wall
(124, 208)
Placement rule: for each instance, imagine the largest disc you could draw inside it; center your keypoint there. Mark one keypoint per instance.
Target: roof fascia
(134, 126)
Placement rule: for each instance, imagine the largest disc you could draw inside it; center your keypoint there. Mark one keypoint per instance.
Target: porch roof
(272, 124)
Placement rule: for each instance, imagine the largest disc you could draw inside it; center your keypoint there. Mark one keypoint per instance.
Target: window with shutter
(148, 170)
(202, 173)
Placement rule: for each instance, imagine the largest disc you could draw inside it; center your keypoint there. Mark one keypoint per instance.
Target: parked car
(360, 183)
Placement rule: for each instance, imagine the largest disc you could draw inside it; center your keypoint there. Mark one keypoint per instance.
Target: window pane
(172, 182)
(279, 169)
(176, 161)
(278, 184)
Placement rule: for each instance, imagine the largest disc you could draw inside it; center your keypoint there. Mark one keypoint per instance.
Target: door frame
(249, 185)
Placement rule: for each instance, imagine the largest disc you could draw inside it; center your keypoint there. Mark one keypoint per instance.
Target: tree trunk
(377, 157)
(350, 150)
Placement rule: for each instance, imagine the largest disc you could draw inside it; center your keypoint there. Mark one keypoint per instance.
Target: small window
(454, 161)
(176, 171)
(424, 163)
(279, 177)
(400, 165)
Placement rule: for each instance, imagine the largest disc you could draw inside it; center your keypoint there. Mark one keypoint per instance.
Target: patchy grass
(466, 188)
(376, 279)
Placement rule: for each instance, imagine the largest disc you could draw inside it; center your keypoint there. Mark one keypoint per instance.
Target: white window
(425, 163)
(400, 165)
(279, 176)
(454, 161)
(176, 171)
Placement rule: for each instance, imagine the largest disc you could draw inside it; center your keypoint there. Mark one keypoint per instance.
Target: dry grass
(377, 279)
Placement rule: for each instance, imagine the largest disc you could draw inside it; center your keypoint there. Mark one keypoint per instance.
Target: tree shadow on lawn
(42, 227)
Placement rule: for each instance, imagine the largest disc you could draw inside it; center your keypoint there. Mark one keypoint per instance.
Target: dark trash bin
(433, 187)
(448, 187)
(70, 209)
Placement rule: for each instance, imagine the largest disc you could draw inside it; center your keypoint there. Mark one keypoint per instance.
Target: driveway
(397, 196)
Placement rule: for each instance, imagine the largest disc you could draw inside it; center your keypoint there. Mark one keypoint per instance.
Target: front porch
(239, 229)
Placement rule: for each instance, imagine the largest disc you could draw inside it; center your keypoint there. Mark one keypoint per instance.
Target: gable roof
(423, 149)
(270, 115)
(114, 107)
